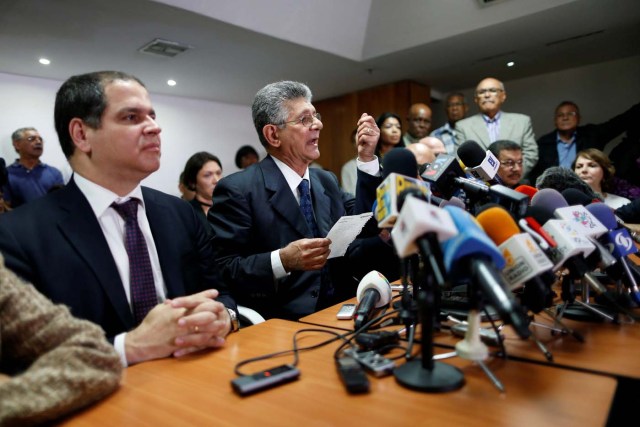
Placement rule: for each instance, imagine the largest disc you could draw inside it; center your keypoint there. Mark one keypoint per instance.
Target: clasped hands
(178, 327)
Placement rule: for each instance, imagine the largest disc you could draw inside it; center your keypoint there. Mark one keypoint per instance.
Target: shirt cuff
(371, 168)
(276, 265)
(118, 344)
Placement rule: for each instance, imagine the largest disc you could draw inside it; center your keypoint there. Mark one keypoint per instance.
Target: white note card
(345, 231)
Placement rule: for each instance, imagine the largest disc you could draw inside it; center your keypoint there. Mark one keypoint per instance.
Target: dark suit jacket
(587, 136)
(254, 213)
(56, 243)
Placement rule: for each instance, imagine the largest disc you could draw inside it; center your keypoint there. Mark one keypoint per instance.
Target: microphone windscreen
(400, 161)
(540, 214)
(574, 197)
(498, 224)
(549, 198)
(471, 153)
(377, 281)
(560, 179)
(604, 214)
(454, 201)
(527, 190)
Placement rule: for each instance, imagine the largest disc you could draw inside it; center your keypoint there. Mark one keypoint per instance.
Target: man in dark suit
(493, 124)
(77, 249)
(272, 255)
(559, 148)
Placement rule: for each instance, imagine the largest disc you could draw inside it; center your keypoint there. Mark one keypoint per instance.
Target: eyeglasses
(33, 138)
(307, 121)
(567, 114)
(491, 90)
(510, 164)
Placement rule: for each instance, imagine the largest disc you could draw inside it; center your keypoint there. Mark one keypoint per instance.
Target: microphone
(417, 218)
(574, 196)
(620, 245)
(472, 253)
(572, 246)
(374, 291)
(526, 263)
(400, 161)
(388, 193)
(480, 163)
(527, 190)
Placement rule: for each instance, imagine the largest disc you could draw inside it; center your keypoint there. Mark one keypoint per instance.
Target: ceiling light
(171, 82)
(44, 61)
(510, 64)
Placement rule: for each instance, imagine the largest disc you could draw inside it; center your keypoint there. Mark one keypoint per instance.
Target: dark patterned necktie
(143, 291)
(307, 208)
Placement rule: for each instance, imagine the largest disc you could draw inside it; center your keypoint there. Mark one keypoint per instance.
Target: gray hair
(19, 133)
(269, 105)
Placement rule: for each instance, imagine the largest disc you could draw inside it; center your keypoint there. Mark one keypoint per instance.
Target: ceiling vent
(484, 3)
(574, 38)
(166, 48)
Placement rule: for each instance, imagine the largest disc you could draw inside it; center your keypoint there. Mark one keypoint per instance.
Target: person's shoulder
(516, 116)
(469, 121)
(548, 138)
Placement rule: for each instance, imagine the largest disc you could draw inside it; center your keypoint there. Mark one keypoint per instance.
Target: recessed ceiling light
(44, 61)
(510, 64)
(171, 82)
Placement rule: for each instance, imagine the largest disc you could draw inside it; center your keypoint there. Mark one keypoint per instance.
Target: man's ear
(272, 134)
(78, 131)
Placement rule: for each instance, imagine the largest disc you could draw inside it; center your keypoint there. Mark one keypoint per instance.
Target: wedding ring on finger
(196, 329)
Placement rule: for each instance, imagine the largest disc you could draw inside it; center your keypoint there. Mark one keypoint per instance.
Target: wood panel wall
(340, 115)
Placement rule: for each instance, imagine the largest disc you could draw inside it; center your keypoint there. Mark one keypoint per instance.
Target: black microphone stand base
(587, 312)
(440, 379)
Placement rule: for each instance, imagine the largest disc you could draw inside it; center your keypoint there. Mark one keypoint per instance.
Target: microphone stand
(574, 309)
(424, 373)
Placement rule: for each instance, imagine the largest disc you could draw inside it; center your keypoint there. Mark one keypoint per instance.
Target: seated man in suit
(492, 124)
(509, 154)
(270, 220)
(133, 260)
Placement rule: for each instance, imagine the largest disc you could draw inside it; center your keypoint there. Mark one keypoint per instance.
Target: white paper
(345, 231)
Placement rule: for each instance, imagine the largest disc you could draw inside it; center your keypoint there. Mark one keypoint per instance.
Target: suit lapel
(82, 230)
(161, 226)
(506, 126)
(282, 199)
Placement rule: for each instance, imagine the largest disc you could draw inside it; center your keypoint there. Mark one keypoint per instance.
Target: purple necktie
(307, 208)
(143, 291)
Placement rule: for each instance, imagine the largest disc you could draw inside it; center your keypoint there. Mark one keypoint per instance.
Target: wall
(188, 126)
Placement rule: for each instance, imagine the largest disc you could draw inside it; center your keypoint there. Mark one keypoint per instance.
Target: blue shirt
(566, 151)
(493, 126)
(447, 135)
(25, 185)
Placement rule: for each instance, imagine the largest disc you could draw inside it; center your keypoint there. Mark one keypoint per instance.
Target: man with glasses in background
(493, 124)
(456, 109)
(419, 118)
(511, 162)
(270, 220)
(29, 178)
(559, 147)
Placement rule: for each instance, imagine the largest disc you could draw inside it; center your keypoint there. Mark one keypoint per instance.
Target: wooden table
(196, 390)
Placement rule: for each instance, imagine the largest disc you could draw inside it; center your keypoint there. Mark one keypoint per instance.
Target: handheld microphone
(573, 196)
(480, 163)
(374, 291)
(472, 253)
(417, 217)
(400, 161)
(387, 196)
(526, 264)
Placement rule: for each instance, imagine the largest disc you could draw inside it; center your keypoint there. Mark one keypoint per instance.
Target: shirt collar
(293, 179)
(101, 198)
(571, 141)
(495, 119)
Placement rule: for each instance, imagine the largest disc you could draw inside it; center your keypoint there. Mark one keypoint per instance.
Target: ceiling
(335, 46)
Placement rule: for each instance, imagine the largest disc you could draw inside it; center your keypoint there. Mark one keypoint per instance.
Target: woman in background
(595, 169)
(202, 172)
(390, 126)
